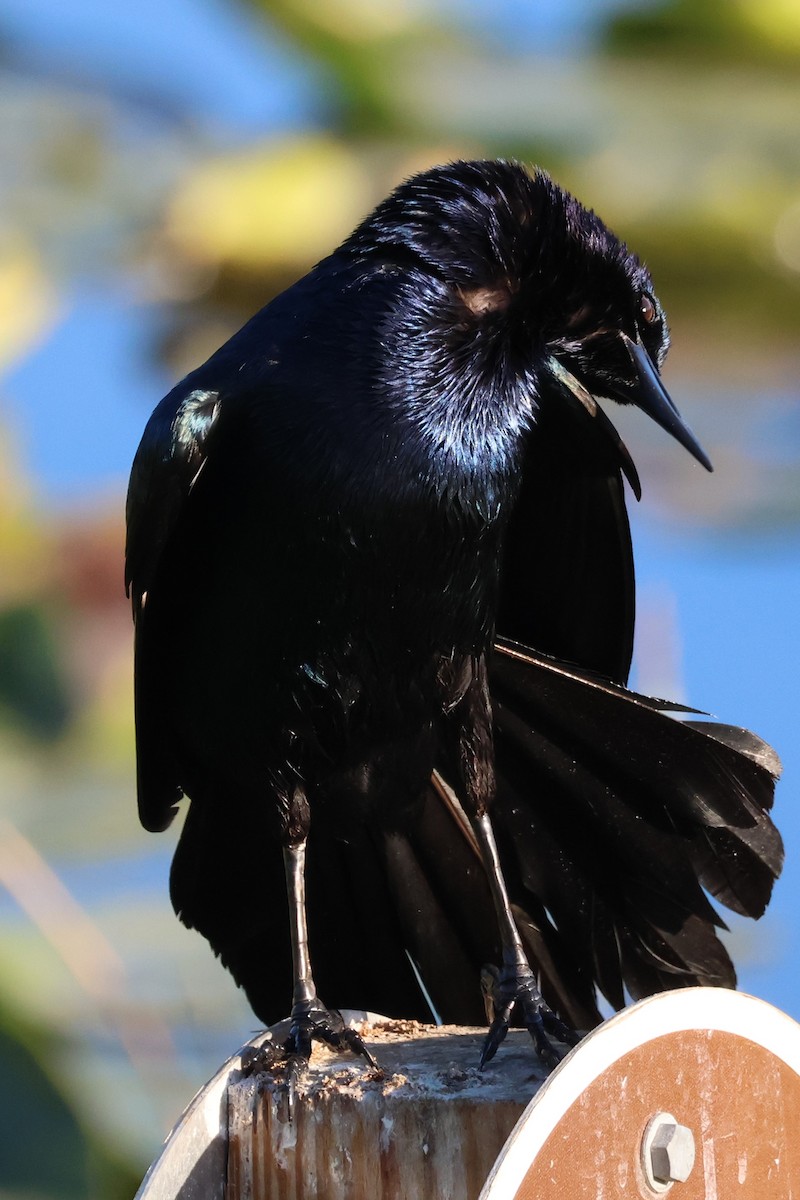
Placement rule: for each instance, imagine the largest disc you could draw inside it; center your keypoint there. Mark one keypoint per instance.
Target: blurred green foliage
(46, 1151)
(359, 49)
(34, 692)
(732, 32)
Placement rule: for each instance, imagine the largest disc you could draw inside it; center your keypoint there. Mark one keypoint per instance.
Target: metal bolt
(667, 1152)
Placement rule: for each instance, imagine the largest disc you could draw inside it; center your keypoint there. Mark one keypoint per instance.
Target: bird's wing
(170, 457)
(567, 581)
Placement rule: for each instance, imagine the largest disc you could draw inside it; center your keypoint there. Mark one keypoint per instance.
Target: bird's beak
(649, 394)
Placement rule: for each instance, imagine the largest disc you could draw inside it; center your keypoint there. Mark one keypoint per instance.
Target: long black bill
(650, 395)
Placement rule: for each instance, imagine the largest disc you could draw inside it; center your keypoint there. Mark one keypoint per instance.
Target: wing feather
(566, 580)
(170, 457)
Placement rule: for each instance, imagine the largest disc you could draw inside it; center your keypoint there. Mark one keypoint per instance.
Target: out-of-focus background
(167, 166)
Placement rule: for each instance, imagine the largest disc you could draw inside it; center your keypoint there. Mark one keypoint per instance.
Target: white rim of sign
(713, 1009)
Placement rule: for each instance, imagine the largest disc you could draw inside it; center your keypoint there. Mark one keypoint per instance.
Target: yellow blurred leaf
(363, 20)
(25, 548)
(27, 300)
(282, 205)
(103, 733)
(776, 22)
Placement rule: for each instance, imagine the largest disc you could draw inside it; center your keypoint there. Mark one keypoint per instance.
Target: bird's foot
(316, 1024)
(513, 989)
(309, 1023)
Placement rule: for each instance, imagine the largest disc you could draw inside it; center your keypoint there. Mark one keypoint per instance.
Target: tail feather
(662, 962)
(596, 819)
(740, 871)
(434, 943)
(740, 740)
(614, 822)
(676, 766)
(619, 819)
(227, 881)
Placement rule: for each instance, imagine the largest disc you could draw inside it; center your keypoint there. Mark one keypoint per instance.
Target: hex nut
(668, 1152)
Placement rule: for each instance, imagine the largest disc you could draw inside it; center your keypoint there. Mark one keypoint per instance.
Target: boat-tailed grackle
(383, 589)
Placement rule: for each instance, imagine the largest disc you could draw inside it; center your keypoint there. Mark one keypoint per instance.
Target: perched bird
(382, 582)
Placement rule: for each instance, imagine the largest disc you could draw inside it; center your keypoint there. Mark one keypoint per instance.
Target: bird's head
(529, 278)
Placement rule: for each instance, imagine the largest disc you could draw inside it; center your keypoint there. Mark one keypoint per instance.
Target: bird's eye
(647, 308)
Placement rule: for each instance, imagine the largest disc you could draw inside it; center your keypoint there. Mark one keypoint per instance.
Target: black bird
(383, 589)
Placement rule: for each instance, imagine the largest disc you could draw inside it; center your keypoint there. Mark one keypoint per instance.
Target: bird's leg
(311, 1021)
(304, 995)
(514, 985)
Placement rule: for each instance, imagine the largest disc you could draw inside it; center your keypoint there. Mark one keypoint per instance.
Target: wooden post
(429, 1123)
(695, 1092)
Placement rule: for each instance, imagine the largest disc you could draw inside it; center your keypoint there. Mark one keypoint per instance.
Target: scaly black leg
(311, 1021)
(513, 986)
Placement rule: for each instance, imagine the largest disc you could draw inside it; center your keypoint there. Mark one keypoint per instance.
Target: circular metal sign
(695, 1093)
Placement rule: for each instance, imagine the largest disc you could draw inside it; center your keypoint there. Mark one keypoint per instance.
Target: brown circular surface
(739, 1098)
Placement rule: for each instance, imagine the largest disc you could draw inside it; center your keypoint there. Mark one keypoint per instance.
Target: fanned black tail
(615, 823)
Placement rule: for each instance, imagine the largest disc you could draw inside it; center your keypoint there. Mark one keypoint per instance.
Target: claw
(293, 1055)
(322, 1025)
(295, 1069)
(348, 1039)
(497, 1032)
(514, 988)
(260, 1060)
